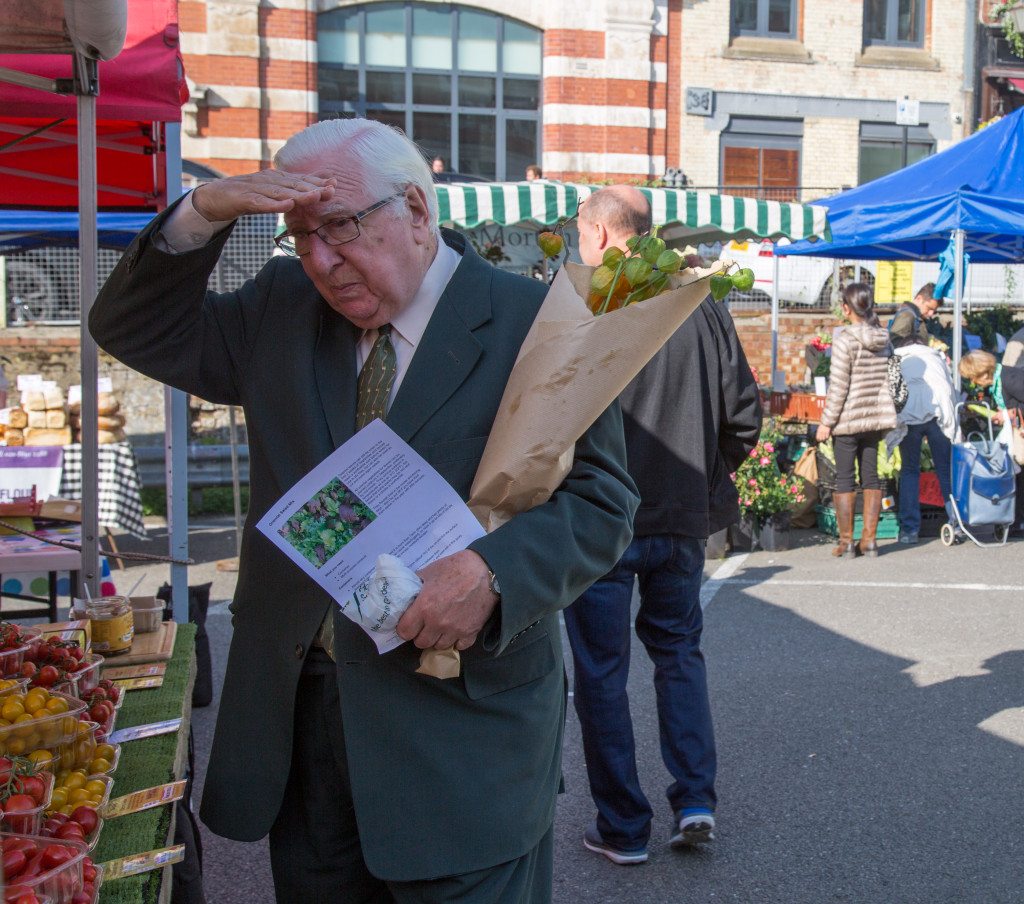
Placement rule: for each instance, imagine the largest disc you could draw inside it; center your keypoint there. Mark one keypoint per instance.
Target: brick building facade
(795, 103)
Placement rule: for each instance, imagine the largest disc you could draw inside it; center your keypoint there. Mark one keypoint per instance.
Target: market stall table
(29, 555)
(144, 764)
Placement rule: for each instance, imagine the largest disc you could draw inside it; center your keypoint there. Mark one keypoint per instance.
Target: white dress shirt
(186, 230)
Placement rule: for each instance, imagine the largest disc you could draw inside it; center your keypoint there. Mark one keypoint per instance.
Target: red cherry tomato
(33, 786)
(13, 863)
(18, 803)
(70, 831)
(55, 855)
(28, 669)
(47, 676)
(87, 818)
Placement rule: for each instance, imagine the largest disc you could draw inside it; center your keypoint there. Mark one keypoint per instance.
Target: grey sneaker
(593, 841)
(909, 539)
(693, 829)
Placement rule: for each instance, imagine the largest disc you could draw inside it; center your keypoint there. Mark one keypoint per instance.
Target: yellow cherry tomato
(59, 799)
(41, 758)
(99, 766)
(96, 787)
(12, 709)
(74, 780)
(105, 751)
(57, 705)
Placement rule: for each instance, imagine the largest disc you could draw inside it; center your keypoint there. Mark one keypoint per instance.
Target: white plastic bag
(380, 602)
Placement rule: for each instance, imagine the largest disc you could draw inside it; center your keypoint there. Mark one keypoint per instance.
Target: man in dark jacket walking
(691, 416)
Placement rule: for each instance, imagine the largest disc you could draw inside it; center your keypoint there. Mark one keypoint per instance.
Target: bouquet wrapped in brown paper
(572, 365)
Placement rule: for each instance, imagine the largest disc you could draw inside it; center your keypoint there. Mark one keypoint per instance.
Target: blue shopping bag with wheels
(983, 481)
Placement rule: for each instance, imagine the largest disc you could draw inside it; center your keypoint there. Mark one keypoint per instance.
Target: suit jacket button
(299, 651)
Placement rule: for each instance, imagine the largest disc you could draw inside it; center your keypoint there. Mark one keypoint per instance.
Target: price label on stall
(144, 731)
(138, 684)
(146, 670)
(142, 863)
(144, 800)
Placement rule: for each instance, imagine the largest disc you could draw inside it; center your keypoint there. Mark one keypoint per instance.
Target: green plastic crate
(888, 524)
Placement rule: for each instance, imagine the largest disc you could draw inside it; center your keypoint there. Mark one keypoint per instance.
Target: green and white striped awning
(699, 215)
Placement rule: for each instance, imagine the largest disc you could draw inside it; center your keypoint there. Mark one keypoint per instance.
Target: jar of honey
(111, 623)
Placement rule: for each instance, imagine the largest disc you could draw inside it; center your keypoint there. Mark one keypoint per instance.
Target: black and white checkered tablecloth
(119, 501)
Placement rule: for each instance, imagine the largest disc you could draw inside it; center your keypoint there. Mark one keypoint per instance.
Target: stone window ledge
(777, 49)
(881, 57)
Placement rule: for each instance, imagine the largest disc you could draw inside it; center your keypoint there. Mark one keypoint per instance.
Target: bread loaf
(53, 397)
(33, 400)
(15, 436)
(18, 418)
(111, 436)
(36, 419)
(45, 437)
(107, 403)
(110, 422)
(56, 418)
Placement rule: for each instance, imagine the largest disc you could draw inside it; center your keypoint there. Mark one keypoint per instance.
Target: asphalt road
(870, 725)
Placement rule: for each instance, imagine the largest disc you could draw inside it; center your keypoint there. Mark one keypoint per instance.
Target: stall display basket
(16, 686)
(48, 732)
(61, 883)
(29, 821)
(87, 678)
(11, 661)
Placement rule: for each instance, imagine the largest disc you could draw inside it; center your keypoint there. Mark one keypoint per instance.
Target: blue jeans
(669, 624)
(910, 470)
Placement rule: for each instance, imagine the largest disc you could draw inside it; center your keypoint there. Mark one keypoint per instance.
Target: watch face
(495, 588)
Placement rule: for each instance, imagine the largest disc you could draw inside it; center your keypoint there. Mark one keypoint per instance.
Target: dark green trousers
(315, 852)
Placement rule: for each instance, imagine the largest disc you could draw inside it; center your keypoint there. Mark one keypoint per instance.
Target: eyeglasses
(334, 232)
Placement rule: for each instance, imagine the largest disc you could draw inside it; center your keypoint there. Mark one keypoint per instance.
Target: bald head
(609, 217)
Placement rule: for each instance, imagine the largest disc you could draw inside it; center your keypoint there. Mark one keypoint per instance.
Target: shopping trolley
(982, 487)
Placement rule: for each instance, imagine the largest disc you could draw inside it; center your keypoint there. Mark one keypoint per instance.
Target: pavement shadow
(839, 778)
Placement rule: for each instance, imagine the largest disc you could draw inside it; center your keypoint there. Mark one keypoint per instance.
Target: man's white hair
(387, 159)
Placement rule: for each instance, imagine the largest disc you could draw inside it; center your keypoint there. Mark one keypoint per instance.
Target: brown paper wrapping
(571, 367)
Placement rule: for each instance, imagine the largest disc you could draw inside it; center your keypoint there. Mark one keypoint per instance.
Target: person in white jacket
(929, 413)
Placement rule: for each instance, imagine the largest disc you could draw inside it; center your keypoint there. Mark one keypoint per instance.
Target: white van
(808, 280)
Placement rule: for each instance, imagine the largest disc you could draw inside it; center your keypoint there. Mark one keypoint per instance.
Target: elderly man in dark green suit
(376, 783)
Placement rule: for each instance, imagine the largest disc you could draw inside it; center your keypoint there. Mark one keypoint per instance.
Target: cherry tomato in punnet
(18, 803)
(70, 831)
(87, 818)
(55, 855)
(13, 863)
(47, 676)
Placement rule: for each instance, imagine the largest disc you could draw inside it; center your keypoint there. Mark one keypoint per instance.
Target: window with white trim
(463, 83)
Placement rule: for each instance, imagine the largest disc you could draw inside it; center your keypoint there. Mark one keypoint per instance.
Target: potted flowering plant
(1011, 16)
(766, 495)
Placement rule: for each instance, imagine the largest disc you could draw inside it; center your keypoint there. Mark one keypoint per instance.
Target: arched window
(463, 83)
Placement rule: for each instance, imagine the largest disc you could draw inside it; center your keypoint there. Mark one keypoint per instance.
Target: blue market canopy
(24, 229)
(976, 185)
(698, 216)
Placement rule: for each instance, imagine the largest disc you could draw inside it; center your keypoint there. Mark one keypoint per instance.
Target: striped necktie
(376, 379)
(374, 389)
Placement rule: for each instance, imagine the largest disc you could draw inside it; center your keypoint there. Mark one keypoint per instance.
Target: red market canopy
(140, 89)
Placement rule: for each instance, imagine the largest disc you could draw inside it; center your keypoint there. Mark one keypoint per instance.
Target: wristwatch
(492, 583)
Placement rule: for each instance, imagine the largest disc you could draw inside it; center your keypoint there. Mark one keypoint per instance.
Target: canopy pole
(86, 89)
(775, 318)
(176, 428)
(958, 302)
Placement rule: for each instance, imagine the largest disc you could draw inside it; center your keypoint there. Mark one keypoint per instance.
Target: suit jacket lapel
(335, 366)
(448, 351)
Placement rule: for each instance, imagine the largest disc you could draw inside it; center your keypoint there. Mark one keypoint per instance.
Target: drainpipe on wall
(972, 9)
